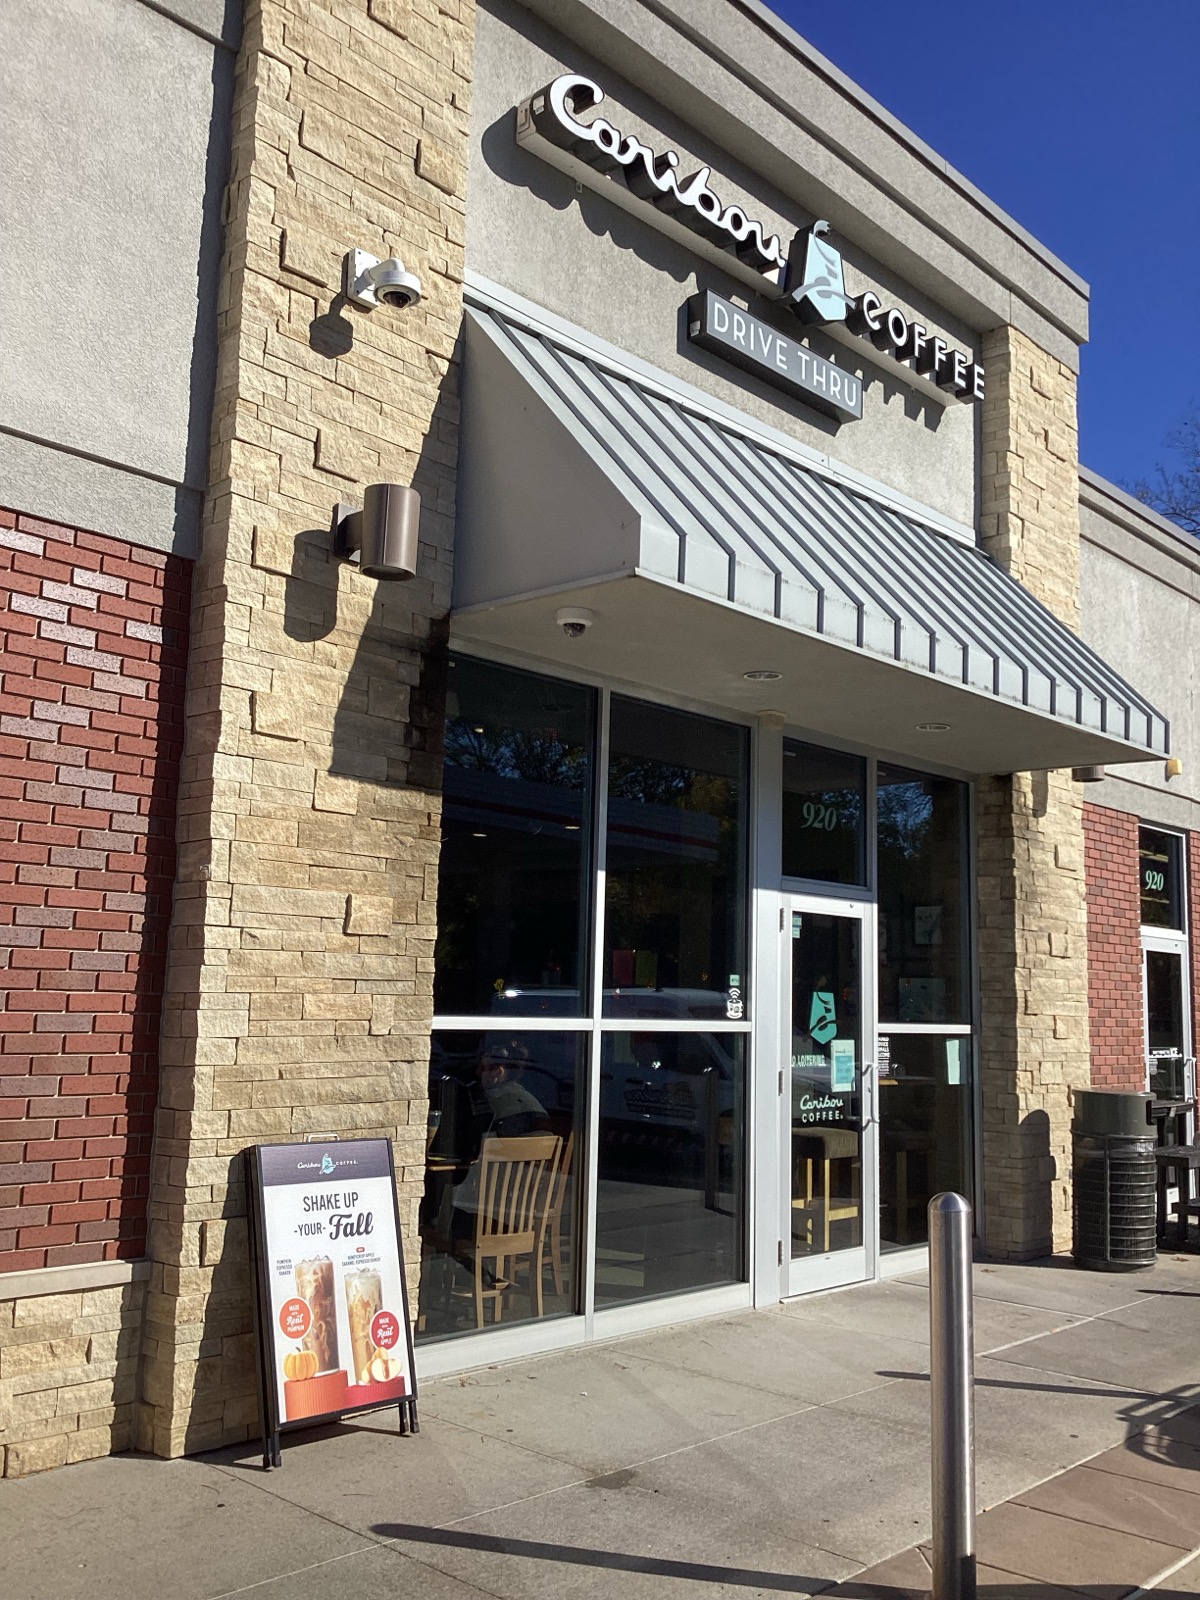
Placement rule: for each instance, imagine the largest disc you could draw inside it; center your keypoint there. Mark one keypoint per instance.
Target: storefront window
(923, 925)
(824, 814)
(498, 1220)
(669, 1200)
(675, 909)
(517, 803)
(925, 1129)
(1161, 885)
(503, 1216)
(1165, 1036)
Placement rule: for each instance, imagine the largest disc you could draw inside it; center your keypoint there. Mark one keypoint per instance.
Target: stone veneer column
(1032, 908)
(299, 990)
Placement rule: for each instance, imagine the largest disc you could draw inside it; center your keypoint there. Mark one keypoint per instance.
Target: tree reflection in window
(541, 757)
(675, 879)
(517, 801)
(905, 813)
(824, 807)
(922, 876)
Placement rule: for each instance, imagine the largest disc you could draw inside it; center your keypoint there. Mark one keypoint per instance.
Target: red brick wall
(92, 655)
(1114, 948)
(1193, 852)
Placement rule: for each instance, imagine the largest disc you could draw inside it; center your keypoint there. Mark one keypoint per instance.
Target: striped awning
(691, 498)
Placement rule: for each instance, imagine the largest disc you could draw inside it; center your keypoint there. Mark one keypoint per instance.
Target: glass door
(829, 1092)
(1170, 1064)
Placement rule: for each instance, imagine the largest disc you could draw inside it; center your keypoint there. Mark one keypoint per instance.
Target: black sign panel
(1161, 878)
(756, 346)
(332, 1300)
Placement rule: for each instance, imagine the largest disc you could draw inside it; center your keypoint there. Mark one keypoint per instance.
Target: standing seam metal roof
(734, 517)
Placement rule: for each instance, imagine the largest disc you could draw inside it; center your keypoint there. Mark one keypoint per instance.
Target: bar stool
(834, 1146)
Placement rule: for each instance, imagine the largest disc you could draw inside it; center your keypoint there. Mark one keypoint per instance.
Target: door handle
(871, 1088)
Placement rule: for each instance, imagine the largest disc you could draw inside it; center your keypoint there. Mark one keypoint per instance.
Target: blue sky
(1082, 119)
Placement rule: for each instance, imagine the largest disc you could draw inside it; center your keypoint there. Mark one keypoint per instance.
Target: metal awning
(708, 549)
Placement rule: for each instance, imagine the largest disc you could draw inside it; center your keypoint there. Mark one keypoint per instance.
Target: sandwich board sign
(332, 1301)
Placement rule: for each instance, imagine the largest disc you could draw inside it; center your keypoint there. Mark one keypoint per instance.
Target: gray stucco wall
(114, 133)
(738, 72)
(1140, 608)
(571, 251)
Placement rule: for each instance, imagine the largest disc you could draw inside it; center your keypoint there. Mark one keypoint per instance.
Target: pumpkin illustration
(299, 1364)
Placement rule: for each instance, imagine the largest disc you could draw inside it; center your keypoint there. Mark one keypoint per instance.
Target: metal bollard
(952, 1397)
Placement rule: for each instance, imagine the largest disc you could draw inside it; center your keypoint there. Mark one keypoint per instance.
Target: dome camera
(394, 284)
(369, 282)
(575, 621)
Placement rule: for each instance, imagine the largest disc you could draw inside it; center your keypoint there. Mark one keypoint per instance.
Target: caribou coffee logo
(807, 278)
(821, 295)
(554, 113)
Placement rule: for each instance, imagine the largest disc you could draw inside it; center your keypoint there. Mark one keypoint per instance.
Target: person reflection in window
(507, 1110)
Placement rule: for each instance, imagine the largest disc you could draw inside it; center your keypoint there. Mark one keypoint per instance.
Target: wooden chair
(904, 1143)
(820, 1149)
(513, 1187)
(551, 1228)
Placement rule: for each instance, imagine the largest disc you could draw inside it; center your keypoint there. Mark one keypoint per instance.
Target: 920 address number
(816, 815)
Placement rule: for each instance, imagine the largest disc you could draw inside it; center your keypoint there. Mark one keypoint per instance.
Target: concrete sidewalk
(768, 1453)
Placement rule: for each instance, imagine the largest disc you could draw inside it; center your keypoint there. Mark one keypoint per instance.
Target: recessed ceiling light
(571, 827)
(478, 728)
(479, 835)
(933, 727)
(762, 675)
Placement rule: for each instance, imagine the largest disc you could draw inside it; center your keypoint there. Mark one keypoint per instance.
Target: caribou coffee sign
(806, 277)
(650, 177)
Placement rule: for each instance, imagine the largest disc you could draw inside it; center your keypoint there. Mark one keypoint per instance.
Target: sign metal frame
(264, 1247)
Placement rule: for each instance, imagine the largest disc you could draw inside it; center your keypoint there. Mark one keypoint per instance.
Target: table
(1164, 1112)
(903, 1142)
(1183, 1159)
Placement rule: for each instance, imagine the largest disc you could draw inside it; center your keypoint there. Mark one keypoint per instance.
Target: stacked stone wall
(1030, 838)
(68, 1366)
(300, 985)
(1114, 949)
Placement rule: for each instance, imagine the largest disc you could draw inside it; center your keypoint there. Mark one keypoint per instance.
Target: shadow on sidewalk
(1151, 1417)
(1164, 1430)
(612, 1560)
(735, 1577)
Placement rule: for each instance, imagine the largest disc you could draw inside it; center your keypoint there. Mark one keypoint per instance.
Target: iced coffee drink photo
(364, 1299)
(315, 1284)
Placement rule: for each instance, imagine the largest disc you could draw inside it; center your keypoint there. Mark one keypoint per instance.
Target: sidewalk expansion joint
(1161, 1577)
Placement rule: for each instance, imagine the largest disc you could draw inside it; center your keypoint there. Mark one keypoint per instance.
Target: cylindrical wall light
(384, 535)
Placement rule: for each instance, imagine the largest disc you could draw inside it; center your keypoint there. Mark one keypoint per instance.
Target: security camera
(369, 282)
(575, 621)
(395, 285)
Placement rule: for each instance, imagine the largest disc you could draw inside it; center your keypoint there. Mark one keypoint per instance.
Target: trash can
(1115, 1175)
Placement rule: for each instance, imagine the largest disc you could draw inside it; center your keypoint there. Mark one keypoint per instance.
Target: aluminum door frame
(840, 1267)
(1166, 941)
